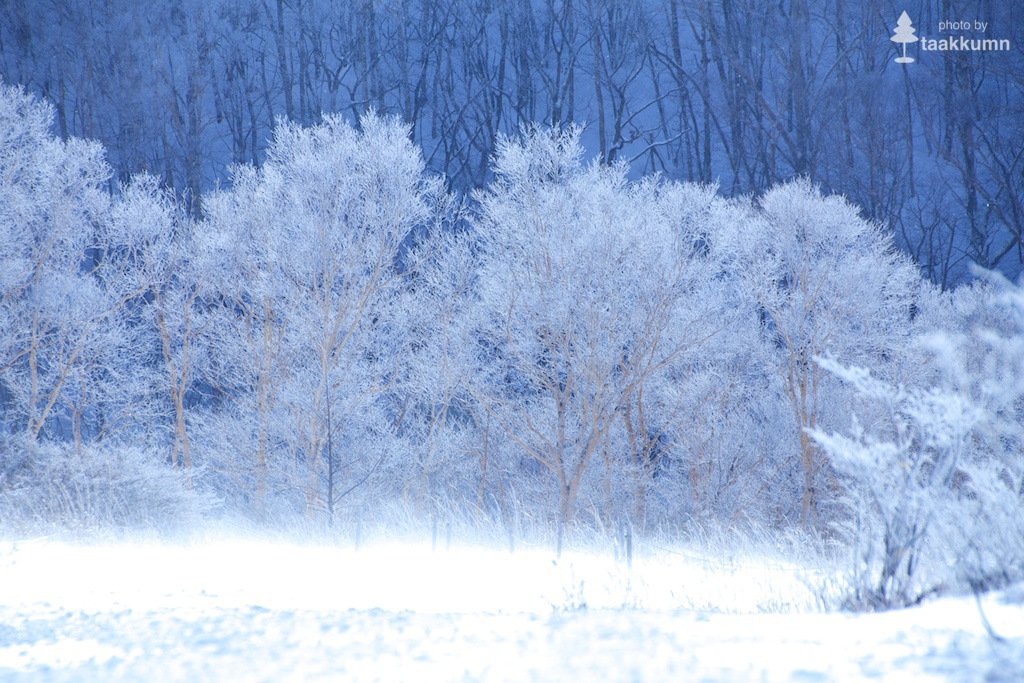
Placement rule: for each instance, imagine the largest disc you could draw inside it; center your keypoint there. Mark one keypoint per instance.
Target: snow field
(252, 610)
(391, 576)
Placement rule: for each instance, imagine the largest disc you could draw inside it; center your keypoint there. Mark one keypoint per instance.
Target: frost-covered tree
(323, 224)
(583, 279)
(824, 280)
(252, 358)
(903, 479)
(978, 351)
(74, 348)
(674, 441)
(172, 266)
(444, 429)
(66, 272)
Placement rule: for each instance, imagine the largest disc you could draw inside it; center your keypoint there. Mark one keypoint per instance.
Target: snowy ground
(233, 610)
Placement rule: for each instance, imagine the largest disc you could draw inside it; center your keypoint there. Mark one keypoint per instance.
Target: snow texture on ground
(231, 610)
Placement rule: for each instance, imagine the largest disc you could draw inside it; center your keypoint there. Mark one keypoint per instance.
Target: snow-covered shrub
(981, 356)
(934, 488)
(50, 486)
(900, 478)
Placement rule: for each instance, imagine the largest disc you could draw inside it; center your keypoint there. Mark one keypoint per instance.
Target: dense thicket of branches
(338, 331)
(739, 92)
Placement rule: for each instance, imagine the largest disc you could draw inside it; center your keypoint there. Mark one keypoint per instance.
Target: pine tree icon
(904, 33)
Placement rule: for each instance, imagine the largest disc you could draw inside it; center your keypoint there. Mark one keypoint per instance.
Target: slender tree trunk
(602, 134)
(282, 61)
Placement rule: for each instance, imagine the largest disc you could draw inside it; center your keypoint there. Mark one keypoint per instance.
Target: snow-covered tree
(253, 359)
(824, 280)
(172, 265)
(583, 288)
(66, 272)
(320, 232)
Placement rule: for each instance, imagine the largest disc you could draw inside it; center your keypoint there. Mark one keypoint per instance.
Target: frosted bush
(96, 488)
(935, 489)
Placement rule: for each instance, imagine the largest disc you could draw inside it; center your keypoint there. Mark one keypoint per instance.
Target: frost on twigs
(97, 489)
(933, 488)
